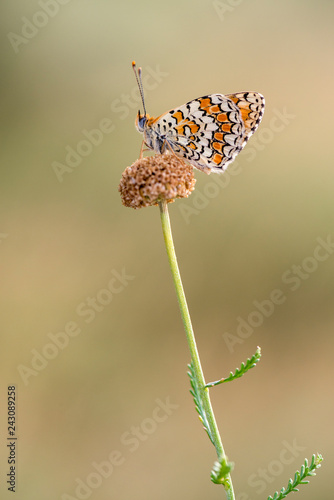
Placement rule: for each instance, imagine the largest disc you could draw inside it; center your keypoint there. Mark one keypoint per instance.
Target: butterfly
(208, 131)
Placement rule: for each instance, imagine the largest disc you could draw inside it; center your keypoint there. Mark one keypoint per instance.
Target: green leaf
(305, 471)
(239, 372)
(220, 471)
(196, 393)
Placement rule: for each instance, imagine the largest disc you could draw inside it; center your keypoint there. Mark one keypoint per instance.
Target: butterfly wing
(251, 106)
(209, 131)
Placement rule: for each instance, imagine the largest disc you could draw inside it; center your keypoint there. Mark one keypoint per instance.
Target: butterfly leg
(141, 150)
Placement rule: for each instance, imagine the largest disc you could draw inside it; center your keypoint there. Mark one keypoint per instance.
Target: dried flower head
(155, 178)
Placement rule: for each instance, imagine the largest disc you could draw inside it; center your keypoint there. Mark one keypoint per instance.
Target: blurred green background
(66, 72)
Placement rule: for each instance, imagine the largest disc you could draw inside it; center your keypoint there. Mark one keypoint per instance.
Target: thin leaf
(305, 471)
(196, 393)
(239, 372)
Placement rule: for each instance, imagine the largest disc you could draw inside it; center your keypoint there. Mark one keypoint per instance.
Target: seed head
(154, 178)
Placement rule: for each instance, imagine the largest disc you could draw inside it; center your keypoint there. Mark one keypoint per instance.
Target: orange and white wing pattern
(209, 131)
(251, 106)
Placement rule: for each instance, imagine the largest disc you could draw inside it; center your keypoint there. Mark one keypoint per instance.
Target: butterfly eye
(141, 120)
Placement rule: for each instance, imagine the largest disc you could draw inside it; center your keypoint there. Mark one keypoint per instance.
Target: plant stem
(167, 232)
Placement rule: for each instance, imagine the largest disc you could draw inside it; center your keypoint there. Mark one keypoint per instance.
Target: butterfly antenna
(139, 83)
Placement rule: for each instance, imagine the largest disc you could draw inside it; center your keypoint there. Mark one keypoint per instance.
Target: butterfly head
(140, 122)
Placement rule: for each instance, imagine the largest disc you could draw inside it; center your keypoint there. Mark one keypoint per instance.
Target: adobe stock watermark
(130, 441)
(292, 279)
(91, 139)
(265, 476)
(225, 7)
(263, 136)
(31, 27)
(86, 311)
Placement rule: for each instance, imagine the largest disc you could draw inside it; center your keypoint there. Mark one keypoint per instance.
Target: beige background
(237, 239)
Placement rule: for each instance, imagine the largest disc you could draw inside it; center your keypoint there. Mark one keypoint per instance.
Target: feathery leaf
(239, 372)
(196, 393)
(305, 471)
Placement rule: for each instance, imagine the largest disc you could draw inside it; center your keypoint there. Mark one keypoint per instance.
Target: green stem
(167, 232)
